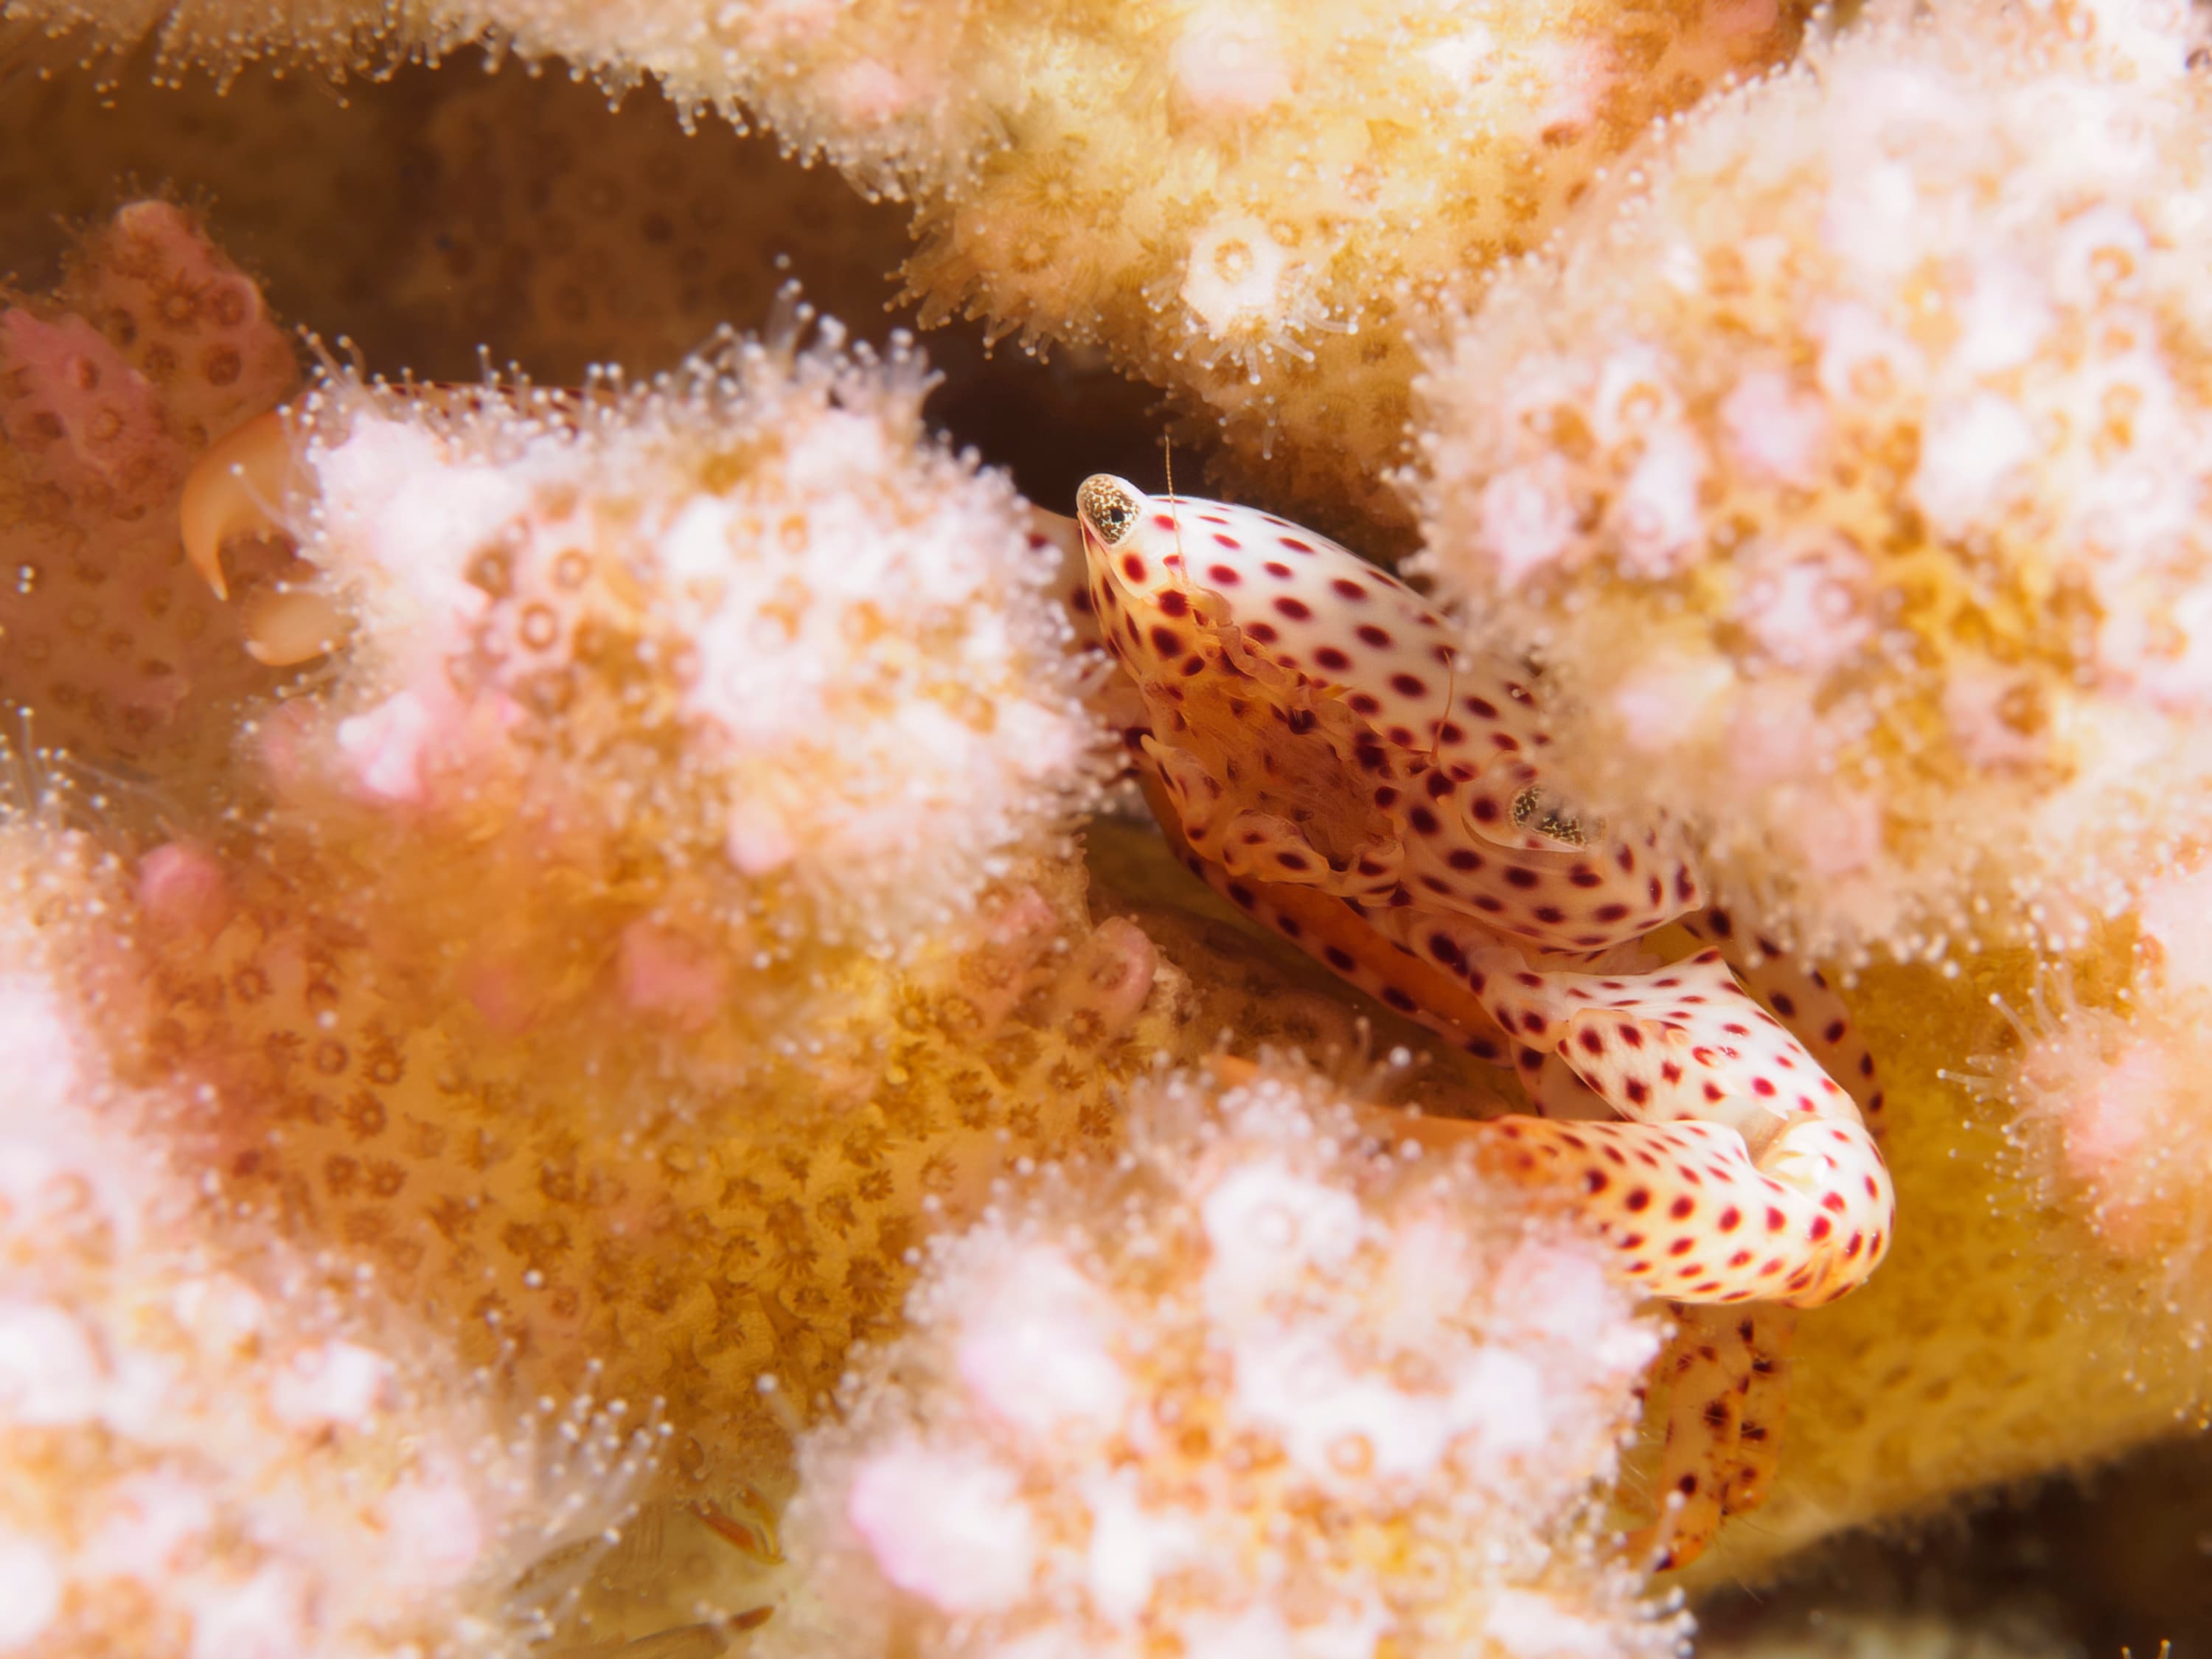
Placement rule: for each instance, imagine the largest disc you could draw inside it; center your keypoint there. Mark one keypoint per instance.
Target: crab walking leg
(238, 488)
(1707, 1372)
(1341, 937)
(1723, 1377)
(1769, 1329)
(237, 491)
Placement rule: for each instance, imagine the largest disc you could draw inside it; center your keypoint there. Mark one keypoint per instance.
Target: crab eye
(1108, 506)
(1538, 809)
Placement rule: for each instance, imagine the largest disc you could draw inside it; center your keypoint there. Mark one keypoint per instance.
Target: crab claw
(235, 489)
(284, 627)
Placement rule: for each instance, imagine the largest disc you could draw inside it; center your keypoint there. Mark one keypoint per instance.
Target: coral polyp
(154, 346)
(1840, 466)
(2112, 1122)
(1121, 1394)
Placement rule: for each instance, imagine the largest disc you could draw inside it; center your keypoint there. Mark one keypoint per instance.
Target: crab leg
(237, 490)
(1768, 1331)
(1724, 1382)
(1702, 1073)
(1743, 1171)
(1807, 1003)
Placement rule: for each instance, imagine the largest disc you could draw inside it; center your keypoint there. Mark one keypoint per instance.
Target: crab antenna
(1451, 692)
(1175, 510)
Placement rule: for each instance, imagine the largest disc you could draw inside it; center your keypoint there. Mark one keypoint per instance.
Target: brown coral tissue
(633, 1007)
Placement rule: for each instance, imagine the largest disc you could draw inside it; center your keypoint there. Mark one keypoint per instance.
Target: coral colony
(648, 1017)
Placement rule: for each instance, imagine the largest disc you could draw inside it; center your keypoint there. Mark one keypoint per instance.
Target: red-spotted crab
(1329, 759)
(1313, 739)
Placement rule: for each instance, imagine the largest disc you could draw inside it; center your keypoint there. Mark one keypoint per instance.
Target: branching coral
(154, 346)
(686, 795)
(1255, 204)
(634, 900)
(1845, 466)
(1258, 1386)
(208, 1444)
(685, 1103)
(1246, 202)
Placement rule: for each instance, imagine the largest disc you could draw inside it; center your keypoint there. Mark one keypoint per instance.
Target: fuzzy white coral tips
(1843, 461)
(1119, 1398)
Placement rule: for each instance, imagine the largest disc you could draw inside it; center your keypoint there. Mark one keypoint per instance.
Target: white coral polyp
(1226, 62)
(1239, 277)
(945, 1527)
(1869, 403)
(1974, 456)
(1120, 1402)
(208, 1449)
(784, 614)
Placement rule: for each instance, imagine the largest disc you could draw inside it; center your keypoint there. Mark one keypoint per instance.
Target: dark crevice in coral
(441, 217)
(2097, 1566)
